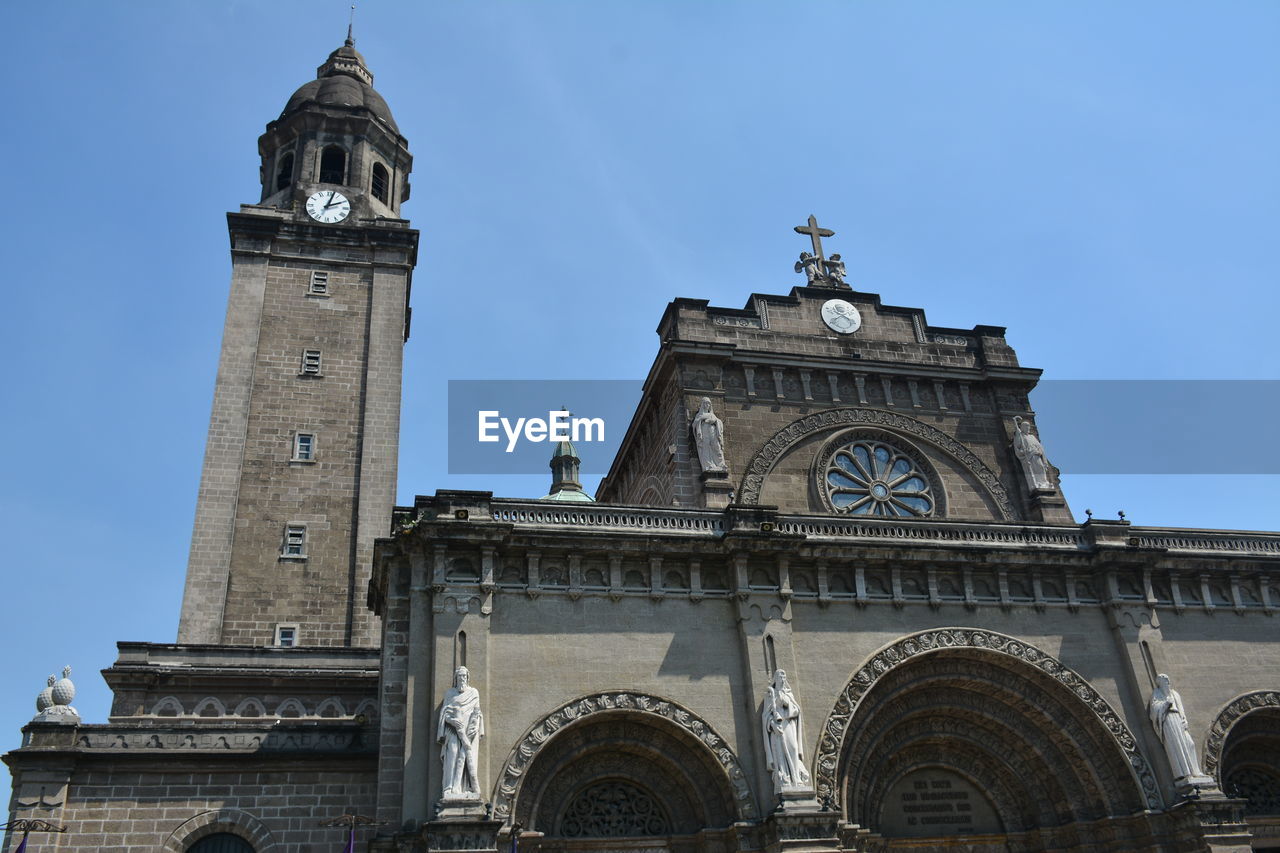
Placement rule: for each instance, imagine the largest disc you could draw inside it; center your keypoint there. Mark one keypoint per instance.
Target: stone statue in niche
(708, 435)
(1030, 452)
(1169, 718)
(810, 265)
(459, 731)
(783, 732)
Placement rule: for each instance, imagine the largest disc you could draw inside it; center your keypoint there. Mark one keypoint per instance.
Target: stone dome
(342, 81)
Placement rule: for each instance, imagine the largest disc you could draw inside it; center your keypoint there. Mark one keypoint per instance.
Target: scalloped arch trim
(787, 437)
(836, 726)
(1228, 717)
(611, 702)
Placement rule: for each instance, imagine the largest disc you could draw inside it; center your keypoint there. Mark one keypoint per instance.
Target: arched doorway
(1244, 750)
(956, 737)
(623, 770)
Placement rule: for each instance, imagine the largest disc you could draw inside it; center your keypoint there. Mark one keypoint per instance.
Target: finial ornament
(351, 23)
(819, 270)
(53, 705)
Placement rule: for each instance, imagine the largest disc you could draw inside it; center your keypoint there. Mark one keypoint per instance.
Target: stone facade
(968, 668)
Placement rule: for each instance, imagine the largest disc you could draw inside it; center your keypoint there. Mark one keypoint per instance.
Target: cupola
(337, 134)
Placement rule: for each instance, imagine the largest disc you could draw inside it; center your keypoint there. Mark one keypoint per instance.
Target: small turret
(564, 475)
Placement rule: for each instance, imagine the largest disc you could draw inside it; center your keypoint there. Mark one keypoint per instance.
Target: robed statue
(1169, 718)
(1030, 452)
(708, 436)
(783, 732)
(459, 731)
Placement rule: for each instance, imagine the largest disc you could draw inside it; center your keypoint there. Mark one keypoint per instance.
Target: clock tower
(300, 463)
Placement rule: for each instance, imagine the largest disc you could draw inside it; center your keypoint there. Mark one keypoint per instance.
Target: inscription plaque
(937, 802)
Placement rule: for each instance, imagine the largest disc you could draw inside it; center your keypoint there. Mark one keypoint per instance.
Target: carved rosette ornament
(836, 727)
(790, 435)
(528, 747)
(1229, 716)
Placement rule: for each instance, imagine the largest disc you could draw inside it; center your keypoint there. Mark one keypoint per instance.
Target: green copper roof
(564, 448)
(576, 495)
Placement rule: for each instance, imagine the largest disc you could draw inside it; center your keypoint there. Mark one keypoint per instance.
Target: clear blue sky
(1099, 177)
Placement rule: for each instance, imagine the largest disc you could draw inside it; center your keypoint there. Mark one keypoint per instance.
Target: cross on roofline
(815, 234)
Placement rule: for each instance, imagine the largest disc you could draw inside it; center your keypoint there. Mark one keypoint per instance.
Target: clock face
(841, 317)
(328, 206)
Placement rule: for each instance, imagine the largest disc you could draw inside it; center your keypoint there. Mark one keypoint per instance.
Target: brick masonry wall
(140, 810)
(240, 584)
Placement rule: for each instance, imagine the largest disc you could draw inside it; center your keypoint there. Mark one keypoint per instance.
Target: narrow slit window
(311, 362)
(284, 174)
(304, 447)
(333, 165)
(319, 282)
(295, 541)
(380, 182)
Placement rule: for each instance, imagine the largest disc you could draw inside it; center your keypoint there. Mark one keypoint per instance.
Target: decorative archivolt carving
(1227, 718)
(528, 747)
(836, 728)
(787, 437)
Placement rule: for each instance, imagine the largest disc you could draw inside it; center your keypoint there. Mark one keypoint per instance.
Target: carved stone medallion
(841, 317)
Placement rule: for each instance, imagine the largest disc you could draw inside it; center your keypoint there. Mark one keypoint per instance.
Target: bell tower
(300, 462)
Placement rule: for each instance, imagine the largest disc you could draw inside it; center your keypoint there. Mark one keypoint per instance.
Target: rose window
(873, 478)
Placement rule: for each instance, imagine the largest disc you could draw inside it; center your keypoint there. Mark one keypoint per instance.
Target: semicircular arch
(229, 820)
(1232, 713)
(785, 439)
(551, 736)
(1070, 701)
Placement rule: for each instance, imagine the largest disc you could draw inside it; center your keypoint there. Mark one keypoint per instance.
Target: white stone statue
(1170, 720)
(783, 736)
(708, 435)
(459, 731)
(1030, 452)
(809, 264)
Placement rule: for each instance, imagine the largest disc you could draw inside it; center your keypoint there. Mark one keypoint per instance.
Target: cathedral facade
(830, 596)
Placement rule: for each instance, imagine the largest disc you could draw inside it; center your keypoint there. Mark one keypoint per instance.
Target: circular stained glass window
(873, 478)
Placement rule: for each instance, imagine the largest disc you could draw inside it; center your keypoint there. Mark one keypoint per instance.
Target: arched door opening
(625, 778)
(965, 746)
(1250, 770)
